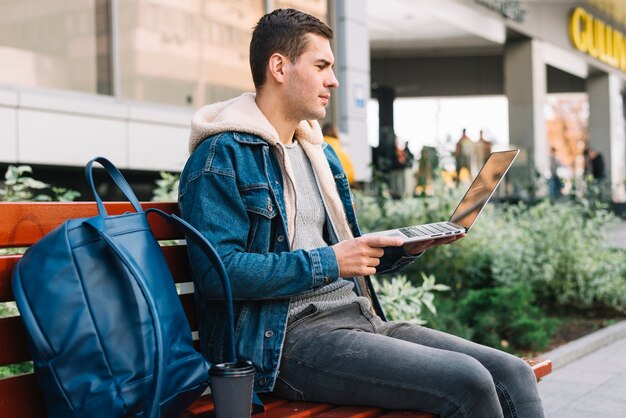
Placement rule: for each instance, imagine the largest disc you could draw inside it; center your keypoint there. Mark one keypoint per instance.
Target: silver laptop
(466, 213)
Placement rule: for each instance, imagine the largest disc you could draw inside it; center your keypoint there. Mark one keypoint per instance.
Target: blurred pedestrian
(409, 173)
(554, 183)
(483, 150)
(331, 137)
(427, 167)
(464, 156)
(594, 163)
(397, 187)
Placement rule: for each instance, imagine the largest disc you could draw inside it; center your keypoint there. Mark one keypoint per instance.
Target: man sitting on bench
(274, 200)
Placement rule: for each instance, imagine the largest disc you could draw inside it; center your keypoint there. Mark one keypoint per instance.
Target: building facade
(521, 49)
(121, 78)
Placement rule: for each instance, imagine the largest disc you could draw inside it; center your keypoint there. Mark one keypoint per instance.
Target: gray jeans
(347, 357)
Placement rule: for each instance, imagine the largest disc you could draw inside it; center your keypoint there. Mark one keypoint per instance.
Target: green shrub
(8, 309)
(560, 250)
(548, 255)
(15, 369)
(18, 186)
(402, 301)
(506, 318)
(166, 189)
(448, 318)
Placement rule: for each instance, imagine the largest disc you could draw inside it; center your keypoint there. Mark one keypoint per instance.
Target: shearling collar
(242, 114)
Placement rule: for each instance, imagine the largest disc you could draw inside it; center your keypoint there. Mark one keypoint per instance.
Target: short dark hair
(282, 31)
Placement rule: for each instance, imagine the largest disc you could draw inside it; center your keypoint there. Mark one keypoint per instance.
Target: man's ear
(276, 67)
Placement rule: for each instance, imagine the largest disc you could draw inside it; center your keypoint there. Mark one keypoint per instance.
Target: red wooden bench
(21, 224)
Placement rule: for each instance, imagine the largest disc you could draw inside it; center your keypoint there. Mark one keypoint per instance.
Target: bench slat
(13, 341)
(275, 407)
(190, 310)
(23, 224)
(175, 256)
(20, 397)
(205, 405)
(271, 402)
(7, 262)
(408, 414)
(541, 367)
(352, 412)
(297, 410)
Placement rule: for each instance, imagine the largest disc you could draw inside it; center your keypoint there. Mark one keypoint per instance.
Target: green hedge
(519, 263)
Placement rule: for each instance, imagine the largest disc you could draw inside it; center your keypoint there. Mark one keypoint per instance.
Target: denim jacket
(231, 189)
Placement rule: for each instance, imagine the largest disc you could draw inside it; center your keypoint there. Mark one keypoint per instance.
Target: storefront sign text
(597, 39)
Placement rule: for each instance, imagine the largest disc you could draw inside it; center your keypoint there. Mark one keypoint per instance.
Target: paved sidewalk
(589, 379)
(617, 236)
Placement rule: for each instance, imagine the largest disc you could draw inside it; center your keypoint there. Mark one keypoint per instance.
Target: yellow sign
(597, 39)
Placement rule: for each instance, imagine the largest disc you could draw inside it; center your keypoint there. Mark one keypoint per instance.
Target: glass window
(169, 51)
(53, 44)
(186, 53)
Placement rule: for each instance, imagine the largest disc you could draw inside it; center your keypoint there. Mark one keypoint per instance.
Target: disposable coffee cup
(232, 387)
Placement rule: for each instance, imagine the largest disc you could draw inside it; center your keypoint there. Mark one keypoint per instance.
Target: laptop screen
(483, 187)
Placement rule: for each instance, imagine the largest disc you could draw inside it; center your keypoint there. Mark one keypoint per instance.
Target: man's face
(309, 80)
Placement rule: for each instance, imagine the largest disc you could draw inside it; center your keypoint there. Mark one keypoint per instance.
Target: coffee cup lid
(238, 368)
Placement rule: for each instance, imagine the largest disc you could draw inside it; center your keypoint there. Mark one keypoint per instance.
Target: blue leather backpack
(106, 328)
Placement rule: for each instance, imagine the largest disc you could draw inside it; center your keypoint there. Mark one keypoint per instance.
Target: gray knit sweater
(309, 229)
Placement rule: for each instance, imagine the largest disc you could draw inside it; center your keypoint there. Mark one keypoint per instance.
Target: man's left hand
(416, 248)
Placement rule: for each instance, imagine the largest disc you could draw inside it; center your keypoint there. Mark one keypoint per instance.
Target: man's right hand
(360, 256)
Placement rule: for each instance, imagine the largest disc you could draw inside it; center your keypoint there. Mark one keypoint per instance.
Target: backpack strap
(206, 247)
(117, 178)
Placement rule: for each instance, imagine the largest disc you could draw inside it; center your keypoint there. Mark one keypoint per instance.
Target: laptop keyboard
(440, 228)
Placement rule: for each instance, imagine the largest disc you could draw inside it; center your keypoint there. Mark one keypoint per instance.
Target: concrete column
(606, 128)
(525, 87)
(353, 72)
(386, 96)
(386, 137)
